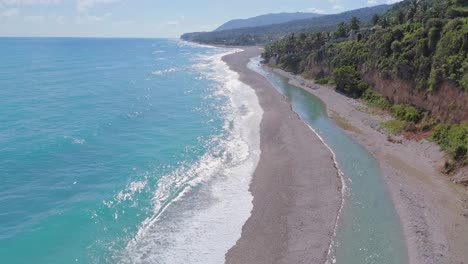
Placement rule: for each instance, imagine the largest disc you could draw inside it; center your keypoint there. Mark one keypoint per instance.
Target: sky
(146, 18)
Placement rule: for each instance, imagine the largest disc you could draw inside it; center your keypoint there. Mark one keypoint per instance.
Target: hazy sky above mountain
(146, 18)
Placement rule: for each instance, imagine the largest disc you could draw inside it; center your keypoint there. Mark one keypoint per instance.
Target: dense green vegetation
(348, 81)
(269, 33)
(372, 98)
(323, 80)
(420, 42)
(406, 113)
(424, 41)
(454, 140)
(264, 20)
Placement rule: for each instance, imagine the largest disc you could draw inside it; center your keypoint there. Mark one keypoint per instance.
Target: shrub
(406, 113)
(348, 81)
(291, 62)
(434, 36)
(373, 98)
(464, 82)
(412, 114)
(322, 81)
(396, 46)
(394, 126)
(306, 74)
(427, 122)
(453, 139)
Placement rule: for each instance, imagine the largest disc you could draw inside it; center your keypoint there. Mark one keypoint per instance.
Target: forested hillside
(265, 20)
(411, 60)
(267, 34)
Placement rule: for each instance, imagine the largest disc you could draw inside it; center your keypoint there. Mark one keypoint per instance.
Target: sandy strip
(296, 187)
(432, 210)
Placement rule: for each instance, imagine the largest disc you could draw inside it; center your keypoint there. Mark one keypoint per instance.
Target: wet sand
(296, 186)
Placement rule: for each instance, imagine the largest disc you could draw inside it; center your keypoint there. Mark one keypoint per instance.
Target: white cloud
(316, 10)
(83, 5)
(126, 22)
(60, 19)
(41, 19)
(371, 2)
(393, 1)
(29, 2)
(172, 23)
(35, 19)
(166, 24)
(336, 5)
(88, 19)
(204, 27)
(12, 12)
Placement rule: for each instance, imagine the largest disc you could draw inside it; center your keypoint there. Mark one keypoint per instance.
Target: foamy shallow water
(205, 219)
(122, 151)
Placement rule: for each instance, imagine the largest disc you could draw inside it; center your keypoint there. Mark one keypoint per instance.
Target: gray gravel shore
(296, 187)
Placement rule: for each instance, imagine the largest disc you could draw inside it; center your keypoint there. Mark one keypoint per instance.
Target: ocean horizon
(120, 150)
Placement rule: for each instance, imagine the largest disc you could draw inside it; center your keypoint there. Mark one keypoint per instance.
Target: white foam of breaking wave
(203, 234)
(128, 194)
(182, 43)
(161, 72)
(75, 141)
(78, 141)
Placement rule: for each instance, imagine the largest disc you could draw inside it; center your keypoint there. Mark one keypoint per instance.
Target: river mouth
(368, 228)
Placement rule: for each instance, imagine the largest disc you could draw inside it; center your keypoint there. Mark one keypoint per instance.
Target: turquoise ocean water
(122, 151)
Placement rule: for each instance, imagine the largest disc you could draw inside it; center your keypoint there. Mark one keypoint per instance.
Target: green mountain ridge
(265, 20)
(269, 33)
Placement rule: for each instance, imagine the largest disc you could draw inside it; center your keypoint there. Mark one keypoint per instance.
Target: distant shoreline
(296, 172)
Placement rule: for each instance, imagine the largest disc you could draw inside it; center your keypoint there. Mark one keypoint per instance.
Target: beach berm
(296, 187)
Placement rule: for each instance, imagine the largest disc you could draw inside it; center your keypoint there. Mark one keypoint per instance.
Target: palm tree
(412, 9)
(355, 23)
(341, 30)
(375, 19)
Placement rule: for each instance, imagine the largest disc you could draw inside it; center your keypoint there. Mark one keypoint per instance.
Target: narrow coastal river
(368, 229)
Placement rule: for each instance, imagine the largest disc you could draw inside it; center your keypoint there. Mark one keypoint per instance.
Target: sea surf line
(205, 216)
